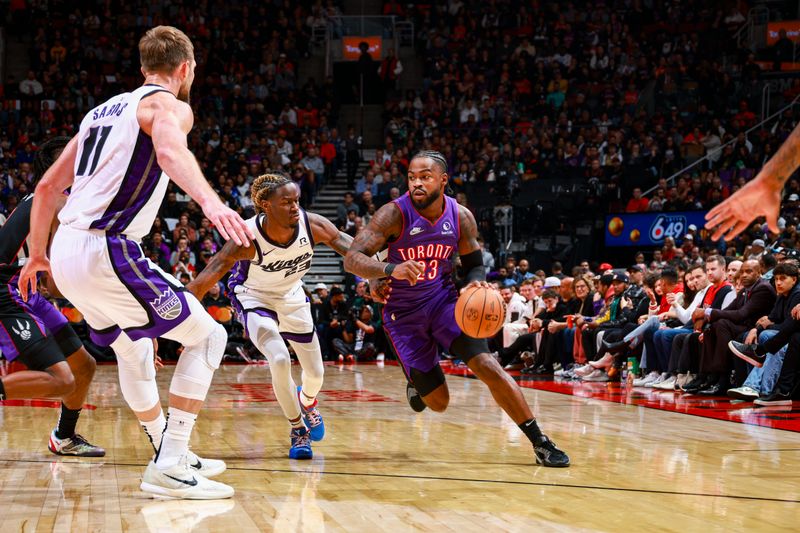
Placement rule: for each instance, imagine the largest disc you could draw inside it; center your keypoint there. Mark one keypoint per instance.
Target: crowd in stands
(618, 96)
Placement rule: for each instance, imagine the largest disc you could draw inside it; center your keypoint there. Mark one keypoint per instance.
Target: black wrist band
(389, 268)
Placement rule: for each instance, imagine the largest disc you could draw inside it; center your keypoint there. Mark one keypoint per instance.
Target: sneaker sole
(90, 454)
(744, 357)
(186, 494)
(739, 396)
(302, 456)
(774, 404)
(541, 463)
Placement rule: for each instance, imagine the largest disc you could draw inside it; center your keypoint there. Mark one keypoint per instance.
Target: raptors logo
(24, 331)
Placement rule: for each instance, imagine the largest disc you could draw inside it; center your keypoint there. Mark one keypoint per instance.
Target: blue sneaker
(312, 418)
(301, 444)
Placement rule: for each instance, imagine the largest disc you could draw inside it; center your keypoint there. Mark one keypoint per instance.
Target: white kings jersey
(276, 269)
(118, 184)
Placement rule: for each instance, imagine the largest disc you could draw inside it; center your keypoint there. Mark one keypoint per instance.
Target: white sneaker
(205, 467)
(649, 378)
(658, 381)
(585, 370)
(743, 393)
(597, 376)
(182, 481)
(667, 384)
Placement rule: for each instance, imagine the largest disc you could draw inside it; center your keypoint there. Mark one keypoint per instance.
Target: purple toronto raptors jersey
(431, 243)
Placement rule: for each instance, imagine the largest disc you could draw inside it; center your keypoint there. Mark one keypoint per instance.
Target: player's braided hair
(437, 157)
(266, 184)
(47, 154)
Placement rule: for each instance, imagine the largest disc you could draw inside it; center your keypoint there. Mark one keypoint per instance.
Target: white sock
(297, 422)
(304, 399)
(155, 429)
(175, 443)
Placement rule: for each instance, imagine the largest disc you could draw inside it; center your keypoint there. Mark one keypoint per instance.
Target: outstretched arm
(220, 263)
(470, 250)
(760, 197)
(386, 224)
(325, 232)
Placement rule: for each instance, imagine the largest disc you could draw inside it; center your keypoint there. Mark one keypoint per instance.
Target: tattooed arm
(325, 232)
(385, 225)
(759, 197)
(220, 263)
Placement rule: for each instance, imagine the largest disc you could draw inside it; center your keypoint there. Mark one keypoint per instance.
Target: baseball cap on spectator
(509, 283)
(605, 266)
(781, 223)
(793, 197)
(692, 227)
(320, 286)
(759, 242)
(688, 236)
(635, 268)
(620, 275)
(606, 279)
(551, 282)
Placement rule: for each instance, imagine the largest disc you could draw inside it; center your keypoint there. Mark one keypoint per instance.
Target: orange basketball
(480, 312)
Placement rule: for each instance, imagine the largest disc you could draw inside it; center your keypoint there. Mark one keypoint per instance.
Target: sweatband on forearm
(472, 263)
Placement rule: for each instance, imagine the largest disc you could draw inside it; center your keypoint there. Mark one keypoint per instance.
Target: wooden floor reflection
(383, 467)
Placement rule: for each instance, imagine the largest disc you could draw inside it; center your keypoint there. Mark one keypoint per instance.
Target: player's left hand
(759, 197)
(476, 284)
(27, 276)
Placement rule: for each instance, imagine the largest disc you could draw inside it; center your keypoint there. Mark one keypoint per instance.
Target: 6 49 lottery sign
(650, 229)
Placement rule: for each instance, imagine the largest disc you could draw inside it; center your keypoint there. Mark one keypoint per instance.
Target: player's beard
(183, 94)
(427, 201)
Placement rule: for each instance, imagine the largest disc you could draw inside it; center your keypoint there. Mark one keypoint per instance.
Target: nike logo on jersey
(191, 482)
(415, 231)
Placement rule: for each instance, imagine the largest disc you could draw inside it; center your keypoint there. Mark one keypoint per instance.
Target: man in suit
(755, 300)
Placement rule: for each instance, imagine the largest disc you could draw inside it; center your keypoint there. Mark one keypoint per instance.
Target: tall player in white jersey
(118, 166)
(266, 288)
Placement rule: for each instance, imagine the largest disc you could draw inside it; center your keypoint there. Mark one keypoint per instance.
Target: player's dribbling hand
(229, 224)
(476, 284)
(27, 276)
(409, 271)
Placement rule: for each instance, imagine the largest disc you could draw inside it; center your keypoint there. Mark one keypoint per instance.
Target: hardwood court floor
(382, 467)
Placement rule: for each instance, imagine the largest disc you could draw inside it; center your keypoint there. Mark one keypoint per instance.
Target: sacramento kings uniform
(33, 331)
(97, 262)
(419, 319)
(271, 284)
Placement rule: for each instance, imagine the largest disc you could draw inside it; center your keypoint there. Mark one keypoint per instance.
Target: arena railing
(706, 157)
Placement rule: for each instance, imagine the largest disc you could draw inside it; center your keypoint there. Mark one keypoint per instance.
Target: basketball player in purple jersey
(423, 230)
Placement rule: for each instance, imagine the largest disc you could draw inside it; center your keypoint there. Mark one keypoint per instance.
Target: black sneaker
(548, 454)
(748, 353)
(775, 398)
(414, 399)
(697, 384)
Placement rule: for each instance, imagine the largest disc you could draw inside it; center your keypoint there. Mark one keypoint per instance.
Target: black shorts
(24, 335)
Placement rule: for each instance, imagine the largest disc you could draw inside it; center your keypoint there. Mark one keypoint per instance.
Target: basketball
(480, 312)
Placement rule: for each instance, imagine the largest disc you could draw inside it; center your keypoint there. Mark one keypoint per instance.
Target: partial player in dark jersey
(423, 230)
(37, 335)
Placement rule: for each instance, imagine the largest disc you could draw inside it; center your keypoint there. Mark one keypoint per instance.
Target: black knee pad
(426, 382)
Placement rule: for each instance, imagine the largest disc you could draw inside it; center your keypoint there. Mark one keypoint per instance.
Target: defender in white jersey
(266, 289)
(118, 166)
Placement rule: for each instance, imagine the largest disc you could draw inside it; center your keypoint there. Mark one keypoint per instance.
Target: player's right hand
(409, 271)
(229, 224)
(27, 277)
